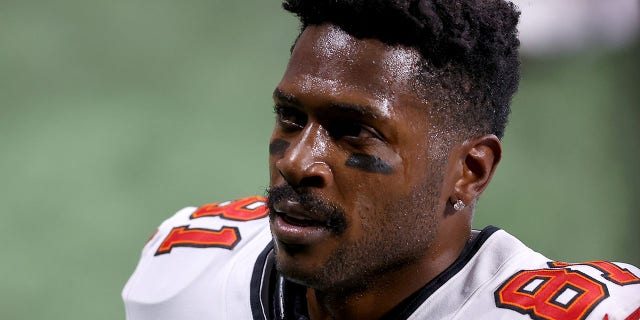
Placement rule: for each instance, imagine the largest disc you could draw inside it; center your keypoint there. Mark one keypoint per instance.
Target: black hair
(470, 46)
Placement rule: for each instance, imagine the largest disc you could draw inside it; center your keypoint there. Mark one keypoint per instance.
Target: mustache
(332, 214)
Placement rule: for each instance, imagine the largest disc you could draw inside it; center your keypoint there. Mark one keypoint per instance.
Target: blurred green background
(115, 114)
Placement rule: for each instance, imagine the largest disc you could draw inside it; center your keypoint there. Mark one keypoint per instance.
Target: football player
(388, 125)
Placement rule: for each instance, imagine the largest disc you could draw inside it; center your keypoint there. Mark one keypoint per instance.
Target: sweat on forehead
(395, 64)
(334, 42)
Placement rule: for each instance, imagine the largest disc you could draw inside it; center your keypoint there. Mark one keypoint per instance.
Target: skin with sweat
(360, 211)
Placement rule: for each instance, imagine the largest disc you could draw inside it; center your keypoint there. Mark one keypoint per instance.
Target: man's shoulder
(580, 290)
(513, 281)
(568, 290)
(215, 225)
(201, 259)
(501, 278)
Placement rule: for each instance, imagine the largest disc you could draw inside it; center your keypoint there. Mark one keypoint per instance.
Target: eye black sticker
(277, 147)
(368, 163)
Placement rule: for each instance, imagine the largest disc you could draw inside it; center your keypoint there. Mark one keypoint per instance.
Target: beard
(393, 237)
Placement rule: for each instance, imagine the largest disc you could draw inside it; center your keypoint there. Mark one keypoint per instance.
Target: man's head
(469, 50)
(388, 111)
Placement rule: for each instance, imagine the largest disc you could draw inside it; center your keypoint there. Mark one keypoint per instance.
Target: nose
(304, 164)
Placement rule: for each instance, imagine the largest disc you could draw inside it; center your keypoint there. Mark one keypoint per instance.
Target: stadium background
(115, 114)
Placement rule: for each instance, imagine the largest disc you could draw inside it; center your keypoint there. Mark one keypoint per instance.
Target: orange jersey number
(560, 293)
(226, 237)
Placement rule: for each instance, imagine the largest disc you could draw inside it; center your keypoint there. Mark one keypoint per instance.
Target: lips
(292, 224)
(298, 221)
(294, 213)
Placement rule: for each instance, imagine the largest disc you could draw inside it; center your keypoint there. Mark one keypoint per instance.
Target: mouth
(298, 221)
(292, 224)
(295, 214)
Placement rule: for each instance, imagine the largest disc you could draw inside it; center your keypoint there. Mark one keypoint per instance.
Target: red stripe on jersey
(635, 315)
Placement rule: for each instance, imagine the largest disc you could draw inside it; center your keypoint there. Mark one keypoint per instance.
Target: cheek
(371, 175)
(369, 192)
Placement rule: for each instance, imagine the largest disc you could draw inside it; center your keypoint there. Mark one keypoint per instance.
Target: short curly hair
(470, 46)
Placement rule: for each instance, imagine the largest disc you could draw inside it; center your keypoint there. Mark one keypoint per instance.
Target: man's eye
(290, 118)
(352, 130)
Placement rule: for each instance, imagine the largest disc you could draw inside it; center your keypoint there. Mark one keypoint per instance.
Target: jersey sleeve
(506, 280)
(198, 265)
(594, 290)
(621, 283)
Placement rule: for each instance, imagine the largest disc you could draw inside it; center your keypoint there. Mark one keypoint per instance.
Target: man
(388, 125)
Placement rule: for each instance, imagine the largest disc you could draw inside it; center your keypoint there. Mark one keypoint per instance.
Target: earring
(459, 205)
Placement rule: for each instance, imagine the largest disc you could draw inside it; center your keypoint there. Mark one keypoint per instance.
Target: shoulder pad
(199, 263)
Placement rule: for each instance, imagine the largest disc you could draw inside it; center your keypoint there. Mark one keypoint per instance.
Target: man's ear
(479, 158)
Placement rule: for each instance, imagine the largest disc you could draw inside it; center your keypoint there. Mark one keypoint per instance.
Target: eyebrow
(284, 97)
(363, 111)
(356, 110)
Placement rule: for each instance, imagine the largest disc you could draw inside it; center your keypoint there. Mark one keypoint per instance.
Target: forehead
(327, 60)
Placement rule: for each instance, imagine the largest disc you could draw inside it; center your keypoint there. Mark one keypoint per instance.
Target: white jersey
(216, 262)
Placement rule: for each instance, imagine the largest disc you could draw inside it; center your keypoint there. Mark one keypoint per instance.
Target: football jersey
(217, 262)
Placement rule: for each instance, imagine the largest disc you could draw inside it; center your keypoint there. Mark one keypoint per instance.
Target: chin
(319, 275)
(295, 265)
(295, 272)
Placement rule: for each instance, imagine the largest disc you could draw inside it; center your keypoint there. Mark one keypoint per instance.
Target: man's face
(354, 191)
